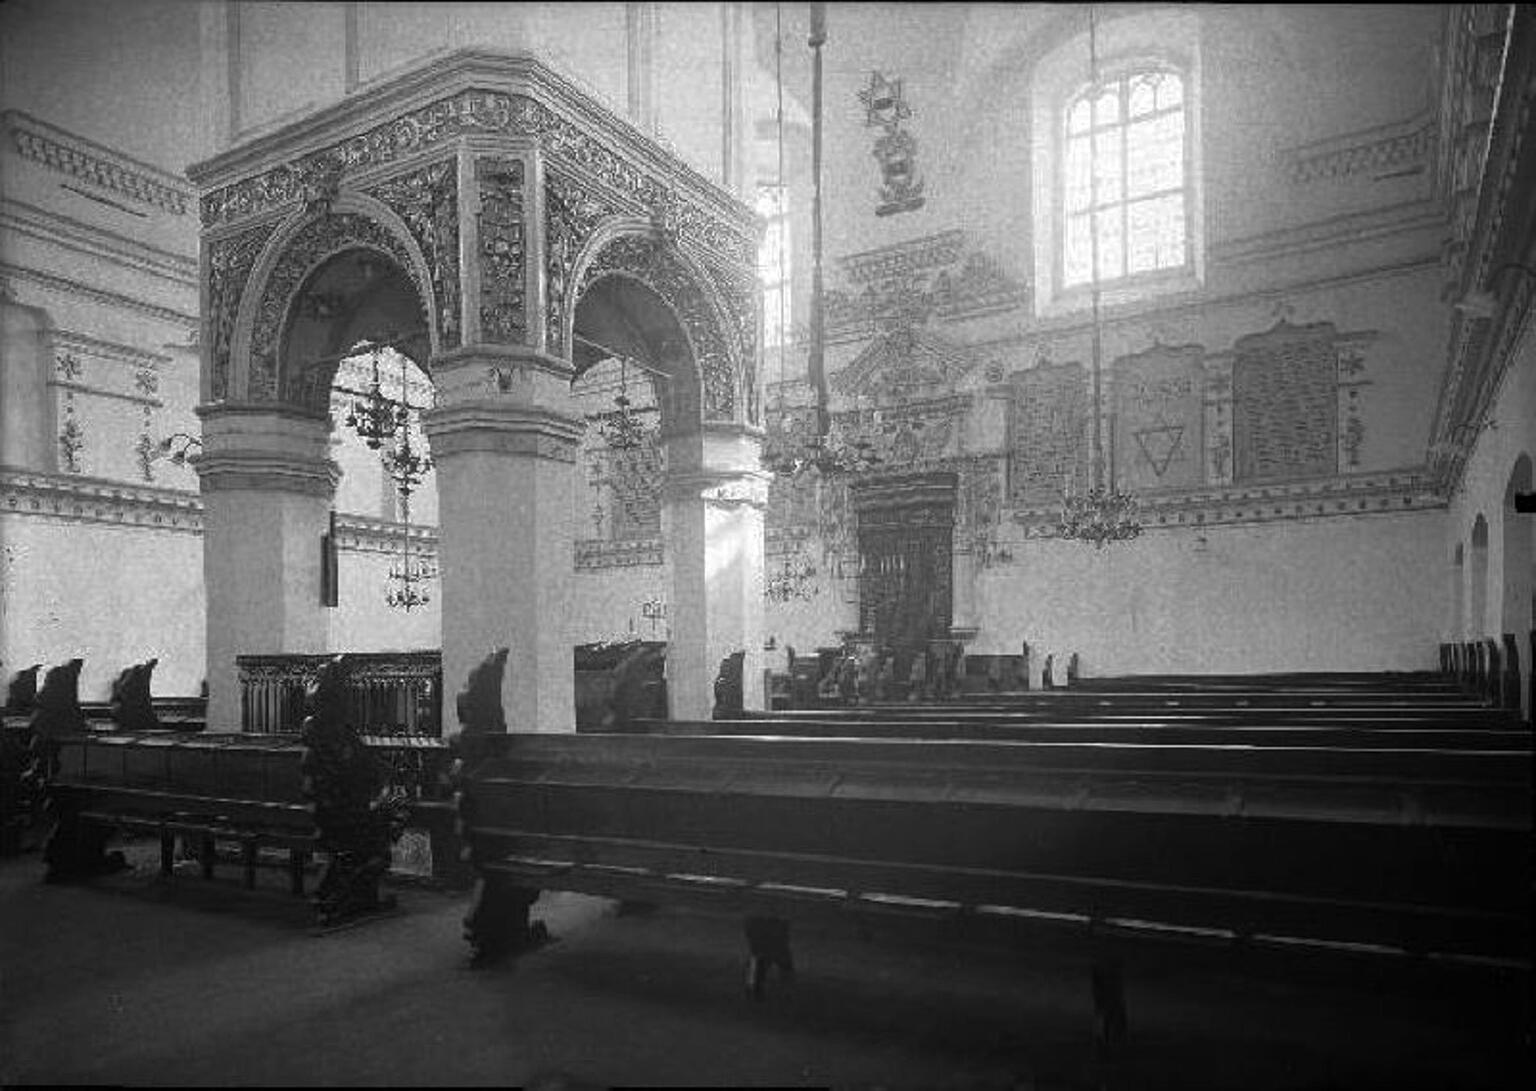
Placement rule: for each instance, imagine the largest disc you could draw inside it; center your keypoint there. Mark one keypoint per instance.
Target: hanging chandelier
(822, 452)
(621, 428)
(376, 418)
(1103, 513)
(407, 584)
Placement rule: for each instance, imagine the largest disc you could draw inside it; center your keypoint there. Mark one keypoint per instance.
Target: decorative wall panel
(1048, 433)
(229, 268)
(427, 199)
(1159, 418)
(1285, 420)
(503, 250)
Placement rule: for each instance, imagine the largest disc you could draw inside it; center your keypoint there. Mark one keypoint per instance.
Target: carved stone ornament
(229, 267)
(571, 214)
(503, 251)
(317, 240)
(427, 200)
(654, 265)
(730, 233)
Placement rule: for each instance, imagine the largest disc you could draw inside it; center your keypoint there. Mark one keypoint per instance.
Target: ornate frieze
(904, 364)
(571, 214)
(316, 240)
(1159, 419)
(1366, 494)
(93, 500)
(593, 554)
(229, 268)
(91, 163)
(493, 112)
(427, 200)
(653, 264)
(503, 251)
(904, 285)
(1387, 150)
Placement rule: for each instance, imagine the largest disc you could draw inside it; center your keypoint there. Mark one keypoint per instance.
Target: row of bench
(1325, 842)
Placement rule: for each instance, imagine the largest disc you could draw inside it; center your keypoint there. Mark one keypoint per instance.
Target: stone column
(712, 521)
(504, 445)
(267, 482)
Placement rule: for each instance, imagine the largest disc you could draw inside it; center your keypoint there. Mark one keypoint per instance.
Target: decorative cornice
(66, 286)
(592, 554)
(474, 92)
(1401, 147)
(85, 238)
(521, 430)
(365, 534)
(1494, 223)
(1364, 494)
(266, 471)
(97, 500)
(107, 350)
(96, 164)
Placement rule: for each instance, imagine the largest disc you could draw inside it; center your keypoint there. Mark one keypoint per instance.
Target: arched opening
(1458, 620)
(630, 357)
(354, 335)
(1478, 622)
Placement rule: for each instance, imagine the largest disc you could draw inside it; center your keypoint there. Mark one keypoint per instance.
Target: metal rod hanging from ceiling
(1093, 243)
(816, 363)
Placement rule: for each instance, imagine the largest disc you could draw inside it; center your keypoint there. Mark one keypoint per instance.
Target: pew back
(1268, 845)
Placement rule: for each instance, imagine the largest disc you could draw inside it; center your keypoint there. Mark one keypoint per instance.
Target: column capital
(502, 427)
(265, 448)
(721, 488)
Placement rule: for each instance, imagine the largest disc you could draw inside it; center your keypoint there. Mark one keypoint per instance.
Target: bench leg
(768, 944)
(297, 859)
(1109, 1015)
(249, 860)
(205, 855)
(497, 923)
(167, 852)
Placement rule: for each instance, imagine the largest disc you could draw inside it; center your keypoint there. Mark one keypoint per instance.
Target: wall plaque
(1048, 445)
(1159, 418)
(1285, 417)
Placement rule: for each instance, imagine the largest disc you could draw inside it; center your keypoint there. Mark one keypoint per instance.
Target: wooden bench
(936, 725)
(326, 790)
(1359, 854)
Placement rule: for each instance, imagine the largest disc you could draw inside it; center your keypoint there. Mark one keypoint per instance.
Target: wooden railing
(388, 693)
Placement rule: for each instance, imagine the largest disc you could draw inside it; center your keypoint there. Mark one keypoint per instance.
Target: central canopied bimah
(493, 222)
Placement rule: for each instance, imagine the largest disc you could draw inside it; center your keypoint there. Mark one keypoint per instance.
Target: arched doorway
(1478, 571)
(1458, 620)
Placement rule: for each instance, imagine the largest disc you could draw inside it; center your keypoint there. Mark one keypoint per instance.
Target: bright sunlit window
(773, 262)
(1125, 178)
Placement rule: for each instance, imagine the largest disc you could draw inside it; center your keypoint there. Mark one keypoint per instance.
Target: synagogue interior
(1007, 527)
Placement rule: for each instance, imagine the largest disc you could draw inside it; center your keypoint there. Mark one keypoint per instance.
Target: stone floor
(141, 981)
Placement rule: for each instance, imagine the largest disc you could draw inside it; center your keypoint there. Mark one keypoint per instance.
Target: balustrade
(388, 693)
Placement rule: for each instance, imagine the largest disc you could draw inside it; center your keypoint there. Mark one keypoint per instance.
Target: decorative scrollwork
(503, 281)
(427, 200)
(315, 241)
(229, 267)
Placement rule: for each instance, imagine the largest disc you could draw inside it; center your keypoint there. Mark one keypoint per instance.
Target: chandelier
(376, 418)
(1103, 514)
(621, 427)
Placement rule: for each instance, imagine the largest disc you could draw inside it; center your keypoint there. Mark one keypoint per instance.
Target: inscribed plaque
(1285, 416)
(1159, 418)
(1048, 433)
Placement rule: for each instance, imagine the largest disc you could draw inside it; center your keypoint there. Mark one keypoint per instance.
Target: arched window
(1126, 178)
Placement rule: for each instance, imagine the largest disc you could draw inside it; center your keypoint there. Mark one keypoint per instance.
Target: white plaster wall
(363, 622)
(606, 603)
(1482, 492)
(110, 595)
